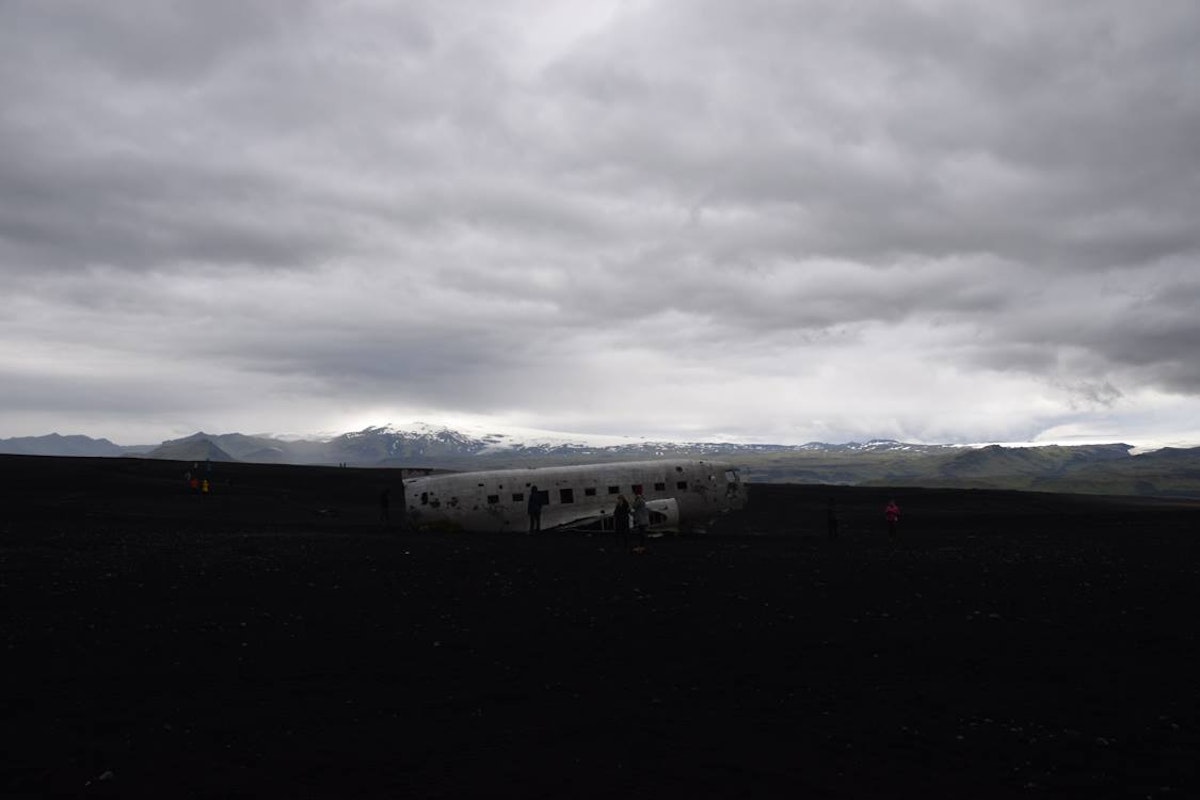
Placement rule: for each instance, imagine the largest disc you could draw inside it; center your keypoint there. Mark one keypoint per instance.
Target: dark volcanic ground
(1010, 645)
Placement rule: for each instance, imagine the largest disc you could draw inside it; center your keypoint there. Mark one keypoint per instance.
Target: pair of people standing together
(640, 513)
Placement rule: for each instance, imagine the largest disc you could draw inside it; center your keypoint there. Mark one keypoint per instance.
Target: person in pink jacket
(891, 513)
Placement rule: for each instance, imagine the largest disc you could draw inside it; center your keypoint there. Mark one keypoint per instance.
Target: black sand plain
(253, 643)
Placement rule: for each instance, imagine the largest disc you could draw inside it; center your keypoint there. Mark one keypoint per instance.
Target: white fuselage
(681, 493)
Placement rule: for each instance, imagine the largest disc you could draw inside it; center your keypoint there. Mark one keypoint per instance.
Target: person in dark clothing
(402, 506)
(384, 506)
(641, 517)
(621, 520)
(831, 519)
(535, 510)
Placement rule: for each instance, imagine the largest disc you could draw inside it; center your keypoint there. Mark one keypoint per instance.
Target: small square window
(566, 495)
(518, 497)
(660, 487)
(681, 485)
(493, 499)
(589, 491)
(614, 490)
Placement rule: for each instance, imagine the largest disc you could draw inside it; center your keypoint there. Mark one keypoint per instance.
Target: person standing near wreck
(385, 515)
(831, 519)
(891, 512)
(535, 510)
(641, 516)
(621, 520)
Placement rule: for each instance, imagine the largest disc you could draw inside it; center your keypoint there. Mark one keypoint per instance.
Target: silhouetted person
(403, 508)
(831, 519)
(891, 513)
(641, 517)
(621, 520)
(535, 510)
(384, 506)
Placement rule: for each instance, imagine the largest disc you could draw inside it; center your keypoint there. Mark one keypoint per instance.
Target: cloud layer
(770, 221)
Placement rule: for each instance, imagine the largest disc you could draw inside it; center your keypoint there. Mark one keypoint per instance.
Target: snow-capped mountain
(424, 444)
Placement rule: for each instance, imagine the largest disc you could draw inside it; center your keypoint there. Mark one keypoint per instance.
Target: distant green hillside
(1164, 473)
(1087, 469)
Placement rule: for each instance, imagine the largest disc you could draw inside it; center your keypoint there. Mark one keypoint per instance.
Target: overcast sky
(690, 219)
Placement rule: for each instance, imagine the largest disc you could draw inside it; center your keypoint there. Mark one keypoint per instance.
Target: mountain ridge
(1089, 469)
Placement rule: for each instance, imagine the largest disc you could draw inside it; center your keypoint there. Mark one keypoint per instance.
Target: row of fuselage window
(567, 495)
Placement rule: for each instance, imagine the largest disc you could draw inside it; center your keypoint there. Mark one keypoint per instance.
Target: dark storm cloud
(929, 133)
(145, 40)
(734, 206)
(138, 213)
